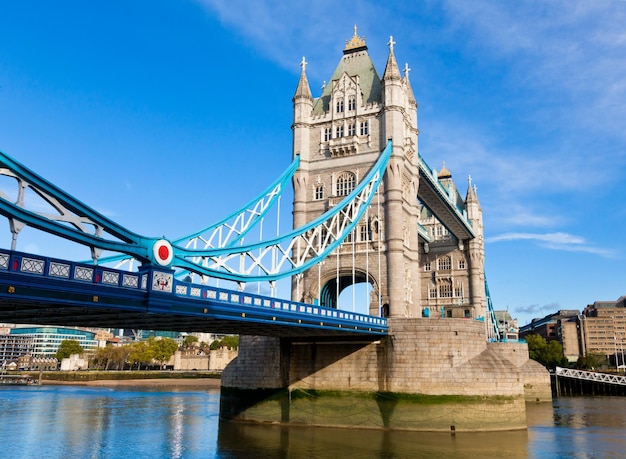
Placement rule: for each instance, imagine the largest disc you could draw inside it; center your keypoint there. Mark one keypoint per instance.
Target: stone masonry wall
(420, 356)
(257, 365)
(428, 374)
(536, 377)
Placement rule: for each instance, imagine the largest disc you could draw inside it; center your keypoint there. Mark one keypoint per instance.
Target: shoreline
(209, 383)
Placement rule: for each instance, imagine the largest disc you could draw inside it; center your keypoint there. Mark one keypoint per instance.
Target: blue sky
(166, 116)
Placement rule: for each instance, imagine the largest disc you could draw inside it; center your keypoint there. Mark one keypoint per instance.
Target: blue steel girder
(36, 289)
(232, 229)
(294, 252)
(434, 196)
(492, 322)
(271, 260)
(68, 217)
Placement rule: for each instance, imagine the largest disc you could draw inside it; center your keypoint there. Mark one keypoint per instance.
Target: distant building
(548, 326)
(12, 347)
(599, 329)
(46, 340)
(602, 327)
(507, 326)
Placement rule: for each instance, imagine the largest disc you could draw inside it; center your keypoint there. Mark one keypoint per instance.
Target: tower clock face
(162, 281)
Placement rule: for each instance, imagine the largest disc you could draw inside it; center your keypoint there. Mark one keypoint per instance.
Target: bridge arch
(358, 286)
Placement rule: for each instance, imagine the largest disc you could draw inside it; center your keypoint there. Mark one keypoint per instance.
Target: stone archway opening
(349, 293)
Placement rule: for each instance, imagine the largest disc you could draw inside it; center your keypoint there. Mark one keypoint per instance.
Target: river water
(50, 422)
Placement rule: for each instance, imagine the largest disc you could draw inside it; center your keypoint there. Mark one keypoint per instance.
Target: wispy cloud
(522, 215)
(570, 50)
(270, 27)
(554, 241)
(535, 309)
(553, 238)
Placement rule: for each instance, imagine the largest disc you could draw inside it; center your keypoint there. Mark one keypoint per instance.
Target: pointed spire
(409, 90)
(303, 89)
(391, 69)
(471, 197)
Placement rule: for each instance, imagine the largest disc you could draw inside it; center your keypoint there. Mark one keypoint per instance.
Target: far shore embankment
(130, 378)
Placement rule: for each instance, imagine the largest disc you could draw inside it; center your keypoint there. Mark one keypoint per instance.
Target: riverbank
(129, 378)
(209, 383)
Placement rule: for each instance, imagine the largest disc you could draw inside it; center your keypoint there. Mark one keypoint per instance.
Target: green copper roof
(353, 63)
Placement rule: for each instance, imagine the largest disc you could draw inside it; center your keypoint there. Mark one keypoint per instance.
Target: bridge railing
(25, 263)
(590, 376)
(72, 271)
(251, 299)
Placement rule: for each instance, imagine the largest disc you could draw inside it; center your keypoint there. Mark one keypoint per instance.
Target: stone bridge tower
(430, 280)
(339, 136)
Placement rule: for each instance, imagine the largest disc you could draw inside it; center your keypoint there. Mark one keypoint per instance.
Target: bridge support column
(428, 374)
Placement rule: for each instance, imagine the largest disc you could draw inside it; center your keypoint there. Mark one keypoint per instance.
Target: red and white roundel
(163, 252)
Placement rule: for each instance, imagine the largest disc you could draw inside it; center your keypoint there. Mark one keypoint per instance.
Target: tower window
(445, 289)
(339, 131)
(444, 263)
(339, 105)
(319, 192)
(462, 263)
(345, 183)
(364, 234)
(432, 292)
(365, 128)
(427, 266)
(327, 134)
(351, 130)
(351, 103)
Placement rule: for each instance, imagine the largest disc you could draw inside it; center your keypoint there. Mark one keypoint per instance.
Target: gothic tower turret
(401, 188)
(476, 251)
(339, 137)
(302, 107)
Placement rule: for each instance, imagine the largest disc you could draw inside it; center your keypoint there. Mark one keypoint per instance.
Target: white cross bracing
(230, 230)
(290, 254)
(281, 257)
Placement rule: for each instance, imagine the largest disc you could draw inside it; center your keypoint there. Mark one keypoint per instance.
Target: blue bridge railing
(75, 274)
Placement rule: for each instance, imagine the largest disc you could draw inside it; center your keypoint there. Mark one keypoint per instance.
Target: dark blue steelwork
(35, 289)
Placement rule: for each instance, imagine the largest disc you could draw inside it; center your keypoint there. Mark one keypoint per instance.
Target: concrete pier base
(428, 374)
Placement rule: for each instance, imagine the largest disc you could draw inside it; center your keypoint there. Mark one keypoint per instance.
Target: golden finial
(356, 42)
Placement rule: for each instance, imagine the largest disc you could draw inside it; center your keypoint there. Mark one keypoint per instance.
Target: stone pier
(428, 374)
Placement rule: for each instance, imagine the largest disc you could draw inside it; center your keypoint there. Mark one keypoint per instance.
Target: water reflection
(81, 422)
(581, 427)
(237, 440)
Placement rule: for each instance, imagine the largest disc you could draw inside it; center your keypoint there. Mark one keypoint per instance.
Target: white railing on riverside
(591, 376)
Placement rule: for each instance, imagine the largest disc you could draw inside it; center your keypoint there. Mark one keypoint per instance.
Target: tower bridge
(367, 210)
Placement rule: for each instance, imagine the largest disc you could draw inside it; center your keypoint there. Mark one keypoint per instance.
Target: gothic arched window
(444, 263)
(365, 128)
(351, 103)
(339, 105)
(327, 134)
(445, 289)
(319, 192)
(345, 183)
